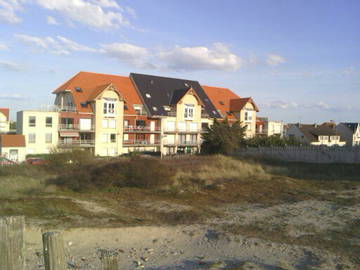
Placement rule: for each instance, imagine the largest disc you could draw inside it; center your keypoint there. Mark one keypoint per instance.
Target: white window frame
(189, 111)
(32, 138)
(109, 108)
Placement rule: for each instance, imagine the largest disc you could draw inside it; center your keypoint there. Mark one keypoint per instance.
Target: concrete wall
(314, 154)
(40, 130)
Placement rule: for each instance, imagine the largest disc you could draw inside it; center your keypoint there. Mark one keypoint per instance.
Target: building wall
(7, 153)
(294, 132)
(4, 123)
(40, 146)
(351, 139)
(108, 148)
(251, 124)
(275, 128)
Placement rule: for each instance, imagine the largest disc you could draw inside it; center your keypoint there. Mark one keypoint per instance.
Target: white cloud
(58, 45)
(3, 47)
(200, 58)
(281, 104)
(12, 96)
(8, 10)
(125, 52)
(92, 13)
(52, 20)
(275, 60)
(11, 66)
(131, 11)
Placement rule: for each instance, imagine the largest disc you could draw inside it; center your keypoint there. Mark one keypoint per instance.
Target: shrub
(274, 140)
(133, 172)
(60, 161)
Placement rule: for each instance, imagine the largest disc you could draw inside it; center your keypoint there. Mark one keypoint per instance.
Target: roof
(91, 83)
(313, 131)
(5, 111)
(158, 92)
(12, 140)
(352, 126)
(221, 97)
(238, 104)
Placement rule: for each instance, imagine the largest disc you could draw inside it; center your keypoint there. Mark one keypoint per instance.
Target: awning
(69, 134)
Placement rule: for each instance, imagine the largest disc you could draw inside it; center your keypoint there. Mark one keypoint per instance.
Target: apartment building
(231, 106)
(265, 127)
(110, 115)
(4, 120)
(40, 129)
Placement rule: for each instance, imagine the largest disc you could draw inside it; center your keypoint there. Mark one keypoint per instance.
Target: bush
(133, 172)
(274, 140)
(60, 161)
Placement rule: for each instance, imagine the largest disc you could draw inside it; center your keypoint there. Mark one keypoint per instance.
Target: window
(189, 112)
(48, 138)
(248, 115)
(170, 126)
(126, 137)
(167, 108)
(148, 95)
(323, 138)
(182, 126)
(32, 121)
(126, 123)
(193, 127)
(193, 139)
(48, 121)
(113, 138)
(204, 126)
(109, 107)
(104, 138)
(155, 109)
(32, 137)
(105, 123)
(182, 138)
(112, 123)
(334, 138)
(140, 123)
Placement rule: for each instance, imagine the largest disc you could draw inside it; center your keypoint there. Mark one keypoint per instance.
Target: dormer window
(221, 102)
(78, 89)
(155, 108)
(248, 116)
(167, 108)
(148, 95)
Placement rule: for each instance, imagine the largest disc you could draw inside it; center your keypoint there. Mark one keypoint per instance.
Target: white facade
(275, 128)
(40, 129)
(4, 123)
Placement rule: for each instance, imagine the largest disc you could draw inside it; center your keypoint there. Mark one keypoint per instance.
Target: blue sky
(299, 59)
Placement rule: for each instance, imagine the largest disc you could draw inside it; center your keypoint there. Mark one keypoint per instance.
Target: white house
(350, 132)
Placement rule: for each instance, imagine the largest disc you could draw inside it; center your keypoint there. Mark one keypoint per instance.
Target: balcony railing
(177, 130)
(75, 127)
(79, 143)
(141, 143)
(140, 129)
(182, 143)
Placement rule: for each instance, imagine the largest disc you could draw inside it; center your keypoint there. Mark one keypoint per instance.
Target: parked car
(36, 161)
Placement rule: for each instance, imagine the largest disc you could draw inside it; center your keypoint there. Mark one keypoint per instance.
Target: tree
(274, 140)
(223, 137)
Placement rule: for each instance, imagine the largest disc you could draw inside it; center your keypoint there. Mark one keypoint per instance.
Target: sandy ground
(207, 246)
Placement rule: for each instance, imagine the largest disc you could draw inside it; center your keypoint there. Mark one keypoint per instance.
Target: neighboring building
(231, 106)
(13, 147)
(40, 129)
(350, 132)
(264, 127)
(4, 120)
(109, 115)
(324, 134)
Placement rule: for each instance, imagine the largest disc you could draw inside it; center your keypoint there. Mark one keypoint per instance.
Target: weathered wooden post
(109, 260)
(12, 244)
(54, 253)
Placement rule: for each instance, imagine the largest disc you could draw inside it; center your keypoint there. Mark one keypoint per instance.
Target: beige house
(4, 120)
(13, 147)
(40, 129)
(264, 127)
(319, 135)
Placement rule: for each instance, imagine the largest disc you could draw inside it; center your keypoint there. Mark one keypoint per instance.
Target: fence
(313, 154)
(12, 248)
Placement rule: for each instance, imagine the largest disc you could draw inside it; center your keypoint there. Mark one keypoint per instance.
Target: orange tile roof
(12, 140)
(5, 111)
(221, 97)
(90, 83)
(238, 104)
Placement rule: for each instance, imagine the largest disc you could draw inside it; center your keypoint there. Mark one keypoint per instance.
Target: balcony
(57, 108)
(189, 131)
(75, 127)
(141, 129)
(182, 143)
(140, 143)
(76, 143)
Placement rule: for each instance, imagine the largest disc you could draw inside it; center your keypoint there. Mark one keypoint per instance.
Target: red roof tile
(238, 104)
(5, 111)
(90, 83)
(12, 140)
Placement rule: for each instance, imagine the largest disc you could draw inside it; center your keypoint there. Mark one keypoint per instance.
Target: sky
(298, 59)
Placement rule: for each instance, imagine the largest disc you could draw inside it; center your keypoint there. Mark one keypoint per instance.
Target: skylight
(221, 102)
(148, 95)
(155, 108)
(78, 89)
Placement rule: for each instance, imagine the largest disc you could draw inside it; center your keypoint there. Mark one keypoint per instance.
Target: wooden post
(54, 253)
(109, 260)
(12, 245)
